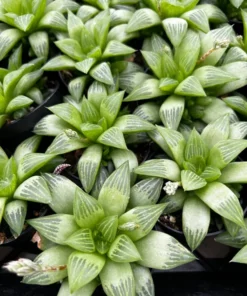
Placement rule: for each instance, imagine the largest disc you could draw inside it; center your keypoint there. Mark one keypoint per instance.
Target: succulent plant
(201, 173)
(14, 171)
(101, 241)
(32, 20)
(89, 48)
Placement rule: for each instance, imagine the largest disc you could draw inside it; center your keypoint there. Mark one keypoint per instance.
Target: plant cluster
(166, 76)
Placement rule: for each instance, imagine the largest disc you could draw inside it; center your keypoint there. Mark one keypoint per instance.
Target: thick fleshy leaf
(142, 19)
(144, 91)
(175, 29)
(159, 140)
(131, 80)
(54, 20)
(210, 76)
(96, 93)
(145, 192)
(87, 211)
(216, 131)
(86, 12)
(211, 174)
(226, 204)
(225, 151)
(17, 103)
(91, 131)
(53, 257)
(88, 166)
(86, 290)
(119, 32)
(59, 63)
(132, 124)
(238, 130)
(191, 181)
(107, 228)
(102, 246)
(83, 268)
(114, 194)
(190, 87)
(62, 191)
(113, 137)
(76, 87)
(102, 73)
(167, 252)
(168, 84)
(171, 111)
(214, 13)
(115, 48)
(195, 210)
(231, 227)
(57, 228)
(15, 215)
(123, 250)
(82, 240)
(34, 189)
(174, 202)
(85, 65)
(3, 201)
(29, 145)
(39, 42)
(197, 19)
(143, 218)
(15, 61)
(161, 168)
(234, 172)
(30, 163)
(66, 141)
(235, 54)
(148, 111)
(117, 279)
(237, 103)
(237, 241)
(100, 180)
(186, 55)
(71, 48)
(154, 61)
(8, 39)
(240, 257)
(110, 106)
(195, 146)
(144, 284)
(68, 113)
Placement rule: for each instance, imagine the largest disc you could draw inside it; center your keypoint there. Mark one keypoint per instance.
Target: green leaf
(86, 12)
(237, 103)
(71, 48)
(15, 215)
(15, 60)
(148, 111)
(30, 163)
(174, 202)
(82, 240)
(231, 227)
(88, 166)
(226, 204)
(17, 103)
(87, 211)
(161, 168)
(52, 257)
(195, 146)
(54, 20)
(175, 29)
(144, 217)
(214, 13)
(160, 141)
(240, 257)
(61, 62)
(190, 87)
(216, 131)
(39, 42)
(101, 27)
(121, 16)
(102, 246)
(197, 19)
(57, 227)
(132, 124)
(3, 201)
(225, 151)
(168, 84)
(191, 181)
(113, 137)
(100, 180)
(91, 131)
(62, 191)
(66, 142)
(114, 194)
(186, 55)
(76, 87)
(102, 73)
(167, 252)
(123, 250)
(195, 210)
(68, 113)
(210, 174)
(117, 279)
(148, 90)
(85, 65)
(142, 19)
(86, 290)
(96, 93)
(154, 61)
(83, 268)
(89, 113)
(8, 39)
(115, 48)
(131, 80)
(119, 32)
(62, 6)
(144, 284)
(234, 54)
(34, 189)
(210, 76)
(107, 228)
(235, 172)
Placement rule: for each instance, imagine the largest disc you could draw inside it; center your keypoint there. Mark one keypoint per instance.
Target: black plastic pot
(17, 131)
